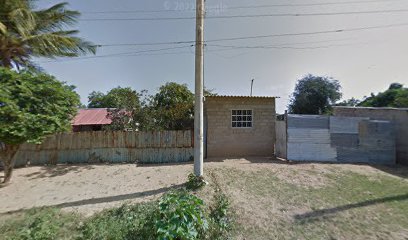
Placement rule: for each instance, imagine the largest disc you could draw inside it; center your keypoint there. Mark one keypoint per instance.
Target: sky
(367, 56)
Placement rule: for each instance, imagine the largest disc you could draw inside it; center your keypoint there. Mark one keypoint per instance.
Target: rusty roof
(231, 96)
(92, 116)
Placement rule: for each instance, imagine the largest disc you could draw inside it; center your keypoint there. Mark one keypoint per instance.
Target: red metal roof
(95, 116)
(230, 96)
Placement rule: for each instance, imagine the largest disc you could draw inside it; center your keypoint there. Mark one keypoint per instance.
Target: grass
(142, 221)
(266, 201)
(349, 206)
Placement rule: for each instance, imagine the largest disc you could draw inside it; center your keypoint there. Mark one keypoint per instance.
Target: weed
(194, 182)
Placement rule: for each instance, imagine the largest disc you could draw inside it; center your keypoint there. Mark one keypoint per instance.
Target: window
(241, 118)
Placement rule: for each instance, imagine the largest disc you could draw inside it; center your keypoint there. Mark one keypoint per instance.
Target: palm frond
(25, 32)
(55, 18)
(59, 44)
(3, 28)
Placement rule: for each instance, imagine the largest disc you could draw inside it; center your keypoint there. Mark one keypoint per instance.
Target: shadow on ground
(59, 170)
(322, 213)
(397, 170)
(108, 199)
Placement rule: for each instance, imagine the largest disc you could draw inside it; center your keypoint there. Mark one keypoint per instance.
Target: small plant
(180, 216)
(220, 220)
(194, 182)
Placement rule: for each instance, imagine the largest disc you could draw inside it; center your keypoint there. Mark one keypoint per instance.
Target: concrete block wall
(340, 139)
(399, 116)
(222, 140)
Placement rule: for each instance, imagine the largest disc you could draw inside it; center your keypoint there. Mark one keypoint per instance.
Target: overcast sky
(364, 61)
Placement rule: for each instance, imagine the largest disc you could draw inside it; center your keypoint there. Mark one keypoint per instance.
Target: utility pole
(252, 85)
(199, 95)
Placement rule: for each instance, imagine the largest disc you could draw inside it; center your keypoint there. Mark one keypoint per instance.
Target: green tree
(116, 98)
(173, 107)
(26, 33)
(32, 105)
(314, 95)
(126, 107)
(395, 96)
(352, 102)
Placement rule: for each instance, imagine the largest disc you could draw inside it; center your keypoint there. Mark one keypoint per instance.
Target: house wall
(224, 141)
(398, 116)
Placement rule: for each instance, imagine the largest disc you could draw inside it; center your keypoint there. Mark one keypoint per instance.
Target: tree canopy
(173, 107)
(26, 32)
(395, 96)
(116, 98)
(32, 105)
(314, 95)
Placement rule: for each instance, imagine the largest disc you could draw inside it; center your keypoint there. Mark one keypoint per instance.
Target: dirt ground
(280, 200)
(88, 188)
(92, 188)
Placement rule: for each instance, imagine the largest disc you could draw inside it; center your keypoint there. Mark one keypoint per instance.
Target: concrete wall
(281, 143)
(222, 140)
(340, 139)
(398, 116)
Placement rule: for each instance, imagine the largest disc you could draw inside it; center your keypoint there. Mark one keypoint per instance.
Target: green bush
(177, 215)
(194, 182)
(181, 216)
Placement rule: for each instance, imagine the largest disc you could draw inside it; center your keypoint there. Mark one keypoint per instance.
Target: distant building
(93, 119)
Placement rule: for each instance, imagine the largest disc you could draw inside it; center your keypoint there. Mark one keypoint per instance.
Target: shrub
(194, 182)
(181, 216)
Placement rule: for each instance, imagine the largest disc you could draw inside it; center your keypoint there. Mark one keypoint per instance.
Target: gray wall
(109, 147)
(280, 145)
(398, 116)
(340, 139)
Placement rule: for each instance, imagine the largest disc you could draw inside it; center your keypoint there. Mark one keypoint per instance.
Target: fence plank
(109, 147)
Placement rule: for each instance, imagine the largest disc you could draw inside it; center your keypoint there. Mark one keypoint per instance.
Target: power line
(251, 16)
(122, 54)
(233, 47)
(258, 36)
(309, 4)
(242, 7)
(309, 33)
(144, 44)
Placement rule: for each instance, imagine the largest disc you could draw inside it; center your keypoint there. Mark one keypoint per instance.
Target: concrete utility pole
(199, 95)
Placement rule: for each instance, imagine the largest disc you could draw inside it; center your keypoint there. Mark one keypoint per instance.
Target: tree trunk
(7, 153)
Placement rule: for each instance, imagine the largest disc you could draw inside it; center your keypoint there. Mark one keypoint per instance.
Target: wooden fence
(109, 147)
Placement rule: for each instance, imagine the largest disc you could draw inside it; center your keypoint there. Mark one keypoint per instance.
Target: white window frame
(242, 121)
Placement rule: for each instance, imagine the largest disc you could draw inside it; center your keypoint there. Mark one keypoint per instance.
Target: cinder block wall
(398, 116)
(224, 141)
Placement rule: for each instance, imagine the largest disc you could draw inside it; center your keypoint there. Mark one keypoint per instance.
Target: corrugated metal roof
(230, 96)
(94, 116)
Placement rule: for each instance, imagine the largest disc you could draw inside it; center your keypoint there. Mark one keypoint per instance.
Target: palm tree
(27, 33)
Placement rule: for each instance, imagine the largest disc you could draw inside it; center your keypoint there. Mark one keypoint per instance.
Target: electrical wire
(122, 54)
(251, 16)
(242, 7)
(310, 33)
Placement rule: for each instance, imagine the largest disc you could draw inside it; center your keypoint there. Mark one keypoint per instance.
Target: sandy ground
(92, 188)
(88, 188)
